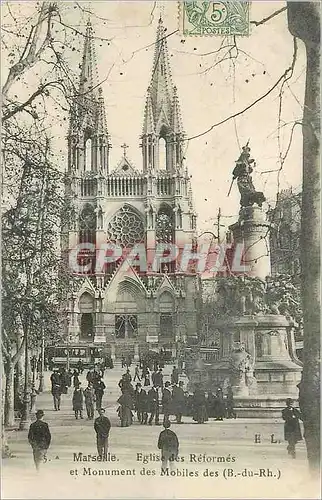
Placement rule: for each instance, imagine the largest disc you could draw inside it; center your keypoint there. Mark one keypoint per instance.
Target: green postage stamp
(214, 18)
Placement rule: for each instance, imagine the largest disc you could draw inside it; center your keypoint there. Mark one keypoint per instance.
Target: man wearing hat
(168, 443)
(56, 388)
(39, 438)
(292, 429)
(166, 402)
(102, 426)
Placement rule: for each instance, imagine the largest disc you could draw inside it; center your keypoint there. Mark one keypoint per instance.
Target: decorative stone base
(262, 406)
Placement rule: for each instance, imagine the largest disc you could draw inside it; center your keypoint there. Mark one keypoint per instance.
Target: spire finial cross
(124, 146)
(161, 10)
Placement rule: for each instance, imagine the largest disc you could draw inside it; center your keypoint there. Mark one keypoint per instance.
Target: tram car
(69, 355)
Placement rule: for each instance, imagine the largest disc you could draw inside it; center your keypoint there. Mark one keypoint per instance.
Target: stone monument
(257, 350)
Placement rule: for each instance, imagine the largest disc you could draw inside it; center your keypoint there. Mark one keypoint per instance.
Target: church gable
(124, 169)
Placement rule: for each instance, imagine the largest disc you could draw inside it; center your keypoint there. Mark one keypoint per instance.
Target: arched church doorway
(87, 327)
(86, 308)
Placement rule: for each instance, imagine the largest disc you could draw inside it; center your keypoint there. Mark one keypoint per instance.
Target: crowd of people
(152, 396)
(62, 380)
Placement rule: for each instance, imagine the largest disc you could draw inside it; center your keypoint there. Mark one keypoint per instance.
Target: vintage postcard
(160, 245)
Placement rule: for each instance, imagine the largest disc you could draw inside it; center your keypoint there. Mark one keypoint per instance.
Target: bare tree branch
(281, 78)
(263, 21)
(31, 54)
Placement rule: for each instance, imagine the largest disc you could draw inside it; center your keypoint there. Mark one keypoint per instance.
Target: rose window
(126, 228)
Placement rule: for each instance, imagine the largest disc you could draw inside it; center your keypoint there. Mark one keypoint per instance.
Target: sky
(209, 91)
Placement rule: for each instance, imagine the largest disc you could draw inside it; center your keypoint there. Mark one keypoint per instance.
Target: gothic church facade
(130, 311)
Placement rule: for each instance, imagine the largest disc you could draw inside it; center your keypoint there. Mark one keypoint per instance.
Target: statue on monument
(240, 364)
(242, 172)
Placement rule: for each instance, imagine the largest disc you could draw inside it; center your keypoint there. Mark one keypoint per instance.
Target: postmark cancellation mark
(210, 18)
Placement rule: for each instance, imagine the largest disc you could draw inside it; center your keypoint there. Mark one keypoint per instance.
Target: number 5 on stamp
(209, 18)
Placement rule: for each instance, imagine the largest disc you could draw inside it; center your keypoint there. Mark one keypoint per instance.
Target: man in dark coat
(142, 405)
(178, 401)
(292, 429)
(64, 381)
(125, 409)
(76, 381)
(168, 443)
(219, 405)
(175, 376)
(89, 396)
(158, 379)
(127, 376)
(99, 388)
(137, 374)
(153, 403)
(78, 401)
(80, 366)
(56, 389)
(230, 403)
(39, 438)
(102, 426)
(166, 402)
(199, 406)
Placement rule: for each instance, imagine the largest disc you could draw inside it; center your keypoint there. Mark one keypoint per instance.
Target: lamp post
(67, 360)
(42, 358)
(25, 417)
(33, 395)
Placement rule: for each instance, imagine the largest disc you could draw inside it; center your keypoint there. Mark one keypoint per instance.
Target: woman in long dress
(125, 409)
(199, 407)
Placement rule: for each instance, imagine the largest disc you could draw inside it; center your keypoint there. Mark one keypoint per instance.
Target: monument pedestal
(261, 388)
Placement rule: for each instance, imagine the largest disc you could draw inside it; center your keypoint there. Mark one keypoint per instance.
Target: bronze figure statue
(242, 172)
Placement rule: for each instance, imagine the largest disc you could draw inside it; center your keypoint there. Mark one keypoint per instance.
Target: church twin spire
(162, 118)
(88, 135)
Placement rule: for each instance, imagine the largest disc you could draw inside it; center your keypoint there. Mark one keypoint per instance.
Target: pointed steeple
(88, 134)
(176, 121)
(148, 123)
(89, 81)
(162, 117)
(161, 81)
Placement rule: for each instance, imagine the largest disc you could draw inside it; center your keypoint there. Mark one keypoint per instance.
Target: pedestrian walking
(76, 381)
(39, 438)
(178, 401)
(137, 391)
(219, 405)
(168, 443)
(78, 401)
(127, 376)
(137, 374)
(230, 403)
(146, 376)
(99, 388)
(102, 426)
(123, 362)
(166, 402)
(292, 429)
(153, 405)
(125, 409)
(157, 378)
(64, 381)
(175, 375)
(199, 406)
(142, 405)
(80, 366)
(55, 379)
(89, 396)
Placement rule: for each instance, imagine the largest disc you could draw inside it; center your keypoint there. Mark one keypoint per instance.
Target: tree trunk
(9, 416)
(5, 450)
(304, 22)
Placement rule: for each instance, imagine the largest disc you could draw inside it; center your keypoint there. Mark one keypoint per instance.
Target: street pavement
(217, 459)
